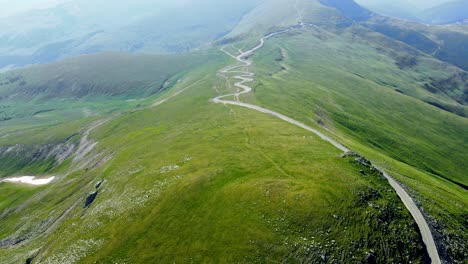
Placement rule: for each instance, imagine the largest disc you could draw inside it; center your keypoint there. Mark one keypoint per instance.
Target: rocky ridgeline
(21, 156)
(78, 146)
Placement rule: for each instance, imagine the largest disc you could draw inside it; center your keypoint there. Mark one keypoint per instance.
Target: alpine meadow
(248, 131)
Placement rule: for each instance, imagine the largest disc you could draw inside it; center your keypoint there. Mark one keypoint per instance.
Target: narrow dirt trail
(245, 76)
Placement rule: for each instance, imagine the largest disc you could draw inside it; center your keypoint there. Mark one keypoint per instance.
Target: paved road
(245, 76)
(424, 229)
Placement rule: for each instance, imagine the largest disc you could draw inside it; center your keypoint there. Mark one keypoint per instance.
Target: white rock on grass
(169, 168)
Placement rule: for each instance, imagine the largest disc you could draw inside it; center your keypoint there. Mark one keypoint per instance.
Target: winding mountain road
(245, 76)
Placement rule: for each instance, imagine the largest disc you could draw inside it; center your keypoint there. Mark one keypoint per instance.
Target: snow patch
(30, 180)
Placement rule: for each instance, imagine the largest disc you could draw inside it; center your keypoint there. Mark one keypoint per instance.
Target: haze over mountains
(213, 132)
(79, 27)
(431, 12)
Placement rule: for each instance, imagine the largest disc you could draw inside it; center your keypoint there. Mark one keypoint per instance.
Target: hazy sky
(416, 3)
(8, 7)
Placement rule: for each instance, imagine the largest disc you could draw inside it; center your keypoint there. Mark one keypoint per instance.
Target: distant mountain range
(75, 27)
(454, 11)
(451, 12)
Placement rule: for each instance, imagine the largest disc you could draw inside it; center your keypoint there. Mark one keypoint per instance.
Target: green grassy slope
(191, 179)
(85, 87)
(447, 43)
(355, 70)
(274, 14)
(104, 74)
(69, 94)
(346, 85)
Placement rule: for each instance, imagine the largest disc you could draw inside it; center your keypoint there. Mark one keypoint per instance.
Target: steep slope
(446, 13)
(245, 77)
(392, 8)
(346, 85)
(446, 43)
(430, 12)
(423, 140)
(279, 14)
(349, 9)
(105, 74)
(70, 93)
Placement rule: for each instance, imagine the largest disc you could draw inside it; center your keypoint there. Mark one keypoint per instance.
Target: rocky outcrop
(359, 159)
(16, 157)
(90, 199)
(58, 152)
